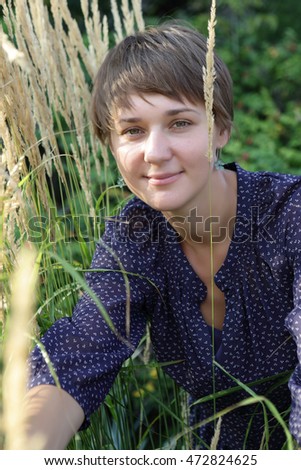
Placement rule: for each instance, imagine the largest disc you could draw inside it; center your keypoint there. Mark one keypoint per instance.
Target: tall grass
(56, 185)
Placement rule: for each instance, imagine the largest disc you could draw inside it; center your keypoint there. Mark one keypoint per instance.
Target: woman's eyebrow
(173, 112)
(170, 112)
(129, 119)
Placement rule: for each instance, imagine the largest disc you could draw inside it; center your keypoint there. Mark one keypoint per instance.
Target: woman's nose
(157, 147)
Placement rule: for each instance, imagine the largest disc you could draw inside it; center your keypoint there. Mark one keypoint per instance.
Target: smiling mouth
(167, 178)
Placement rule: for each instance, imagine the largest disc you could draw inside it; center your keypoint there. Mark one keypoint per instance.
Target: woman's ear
(222, 138)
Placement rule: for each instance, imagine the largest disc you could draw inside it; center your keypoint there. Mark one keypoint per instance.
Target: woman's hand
(52, 417)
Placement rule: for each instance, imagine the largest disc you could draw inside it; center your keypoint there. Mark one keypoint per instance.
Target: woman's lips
(164, 178)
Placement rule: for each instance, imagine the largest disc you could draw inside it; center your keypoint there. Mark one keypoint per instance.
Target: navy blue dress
(261, 337)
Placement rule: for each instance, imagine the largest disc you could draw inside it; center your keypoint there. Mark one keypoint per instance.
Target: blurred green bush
(260, 43)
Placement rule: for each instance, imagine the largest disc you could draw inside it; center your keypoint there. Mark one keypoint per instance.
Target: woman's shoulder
(271, 189)
(271, 178)
(140, 222)
(134, 234)
(136, 207)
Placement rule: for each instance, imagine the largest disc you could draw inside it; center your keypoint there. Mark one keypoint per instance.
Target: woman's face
(161, 148)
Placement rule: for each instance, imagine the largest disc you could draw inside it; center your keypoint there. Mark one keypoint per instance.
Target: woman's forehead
(136, 100)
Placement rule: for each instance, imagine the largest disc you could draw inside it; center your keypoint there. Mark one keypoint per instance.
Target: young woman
(148, 106)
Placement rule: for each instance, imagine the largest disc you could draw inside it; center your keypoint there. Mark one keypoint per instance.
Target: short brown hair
(169, 60)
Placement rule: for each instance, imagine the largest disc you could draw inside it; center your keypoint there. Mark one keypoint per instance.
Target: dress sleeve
(293, 320)
(84, 351)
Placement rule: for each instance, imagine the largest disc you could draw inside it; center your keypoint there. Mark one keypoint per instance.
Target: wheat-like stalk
(17, 346)
(12, 123)
(209, 77)
(36, 94)
(137, 8)
(216, 436)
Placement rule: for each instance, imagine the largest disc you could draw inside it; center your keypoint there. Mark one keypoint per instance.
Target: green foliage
(144, 410)
(263, 56)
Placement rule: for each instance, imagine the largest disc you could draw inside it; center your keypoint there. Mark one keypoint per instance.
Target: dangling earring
(218, 165)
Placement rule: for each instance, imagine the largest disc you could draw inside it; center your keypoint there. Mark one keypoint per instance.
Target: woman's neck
(212, 220)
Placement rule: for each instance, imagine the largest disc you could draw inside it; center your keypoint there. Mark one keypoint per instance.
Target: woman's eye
(132, 131)
(180, 124)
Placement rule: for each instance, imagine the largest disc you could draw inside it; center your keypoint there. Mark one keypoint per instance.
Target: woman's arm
(52, 417)
(84, 352)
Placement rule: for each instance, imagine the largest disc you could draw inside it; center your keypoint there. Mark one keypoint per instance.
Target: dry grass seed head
(22, 302)
(209, 76)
